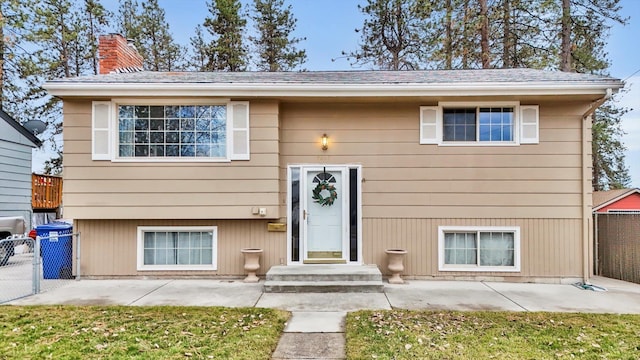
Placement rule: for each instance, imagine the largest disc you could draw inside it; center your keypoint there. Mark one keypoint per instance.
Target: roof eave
(24, 132)
(63, 89)
(616, 199)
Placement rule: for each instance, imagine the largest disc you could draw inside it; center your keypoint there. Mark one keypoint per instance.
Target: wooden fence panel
(618, 245)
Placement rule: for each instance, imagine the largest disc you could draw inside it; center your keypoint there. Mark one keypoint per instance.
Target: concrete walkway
(621, 297)
(316, 327)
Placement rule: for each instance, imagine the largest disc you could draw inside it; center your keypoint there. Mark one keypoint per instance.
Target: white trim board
(301, 90)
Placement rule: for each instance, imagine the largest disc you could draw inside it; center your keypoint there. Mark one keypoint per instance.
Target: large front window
(177, 248)
(175, 131)
(479, 249)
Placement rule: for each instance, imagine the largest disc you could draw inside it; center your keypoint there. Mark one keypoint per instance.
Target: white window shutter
(238, 122)
(430, 128)
(529, 124)
(100, 131)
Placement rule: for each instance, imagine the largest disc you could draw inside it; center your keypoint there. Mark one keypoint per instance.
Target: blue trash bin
(57, 250)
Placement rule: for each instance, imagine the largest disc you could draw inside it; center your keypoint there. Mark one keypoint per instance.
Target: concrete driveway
(621, 297)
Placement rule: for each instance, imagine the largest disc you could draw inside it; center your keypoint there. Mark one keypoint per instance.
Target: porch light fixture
(325, 142)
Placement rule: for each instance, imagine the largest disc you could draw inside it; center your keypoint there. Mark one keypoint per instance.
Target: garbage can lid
(54, 226)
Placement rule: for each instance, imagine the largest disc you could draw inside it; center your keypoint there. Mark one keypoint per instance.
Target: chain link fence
(29, 266)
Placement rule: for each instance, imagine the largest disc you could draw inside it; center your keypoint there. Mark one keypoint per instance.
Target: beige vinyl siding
(408, 189)
(170, 190)
(109, 247)
(550, 248)
(403, 179)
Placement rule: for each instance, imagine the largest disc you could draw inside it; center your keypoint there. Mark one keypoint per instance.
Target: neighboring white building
(16, 144)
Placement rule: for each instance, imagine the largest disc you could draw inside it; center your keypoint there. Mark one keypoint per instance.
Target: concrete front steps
(324, 278)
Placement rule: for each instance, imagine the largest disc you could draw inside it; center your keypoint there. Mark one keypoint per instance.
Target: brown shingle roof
(601, 198)
(350, 77)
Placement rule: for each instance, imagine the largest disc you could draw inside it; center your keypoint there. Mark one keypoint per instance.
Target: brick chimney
(118, 55)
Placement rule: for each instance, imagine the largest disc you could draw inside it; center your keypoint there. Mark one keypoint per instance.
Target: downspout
(596, 244)
(587, 212)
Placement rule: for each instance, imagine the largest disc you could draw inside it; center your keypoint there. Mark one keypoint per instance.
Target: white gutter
(587, 199)
(65, 88)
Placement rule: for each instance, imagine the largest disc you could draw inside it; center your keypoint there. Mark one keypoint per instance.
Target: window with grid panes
(483, 124)
(172, 131)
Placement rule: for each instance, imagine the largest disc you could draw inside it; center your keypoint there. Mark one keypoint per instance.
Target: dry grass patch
(109, 332)
(399, 334)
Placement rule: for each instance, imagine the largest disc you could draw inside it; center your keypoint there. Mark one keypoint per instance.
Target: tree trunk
(465, 32)
(92, 35)
(398, 45)
(565, 47)
(507, 56)
(484, 35)
(64, 46)
(448, 40)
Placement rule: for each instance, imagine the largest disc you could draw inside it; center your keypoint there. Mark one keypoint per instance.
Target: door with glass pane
(325, 222)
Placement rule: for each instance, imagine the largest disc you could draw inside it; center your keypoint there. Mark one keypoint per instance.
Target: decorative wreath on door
(322, 200)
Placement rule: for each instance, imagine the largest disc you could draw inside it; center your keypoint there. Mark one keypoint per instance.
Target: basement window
(177, 248)
(479, 248)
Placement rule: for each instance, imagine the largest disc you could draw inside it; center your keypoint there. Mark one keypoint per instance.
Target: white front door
(325, 222)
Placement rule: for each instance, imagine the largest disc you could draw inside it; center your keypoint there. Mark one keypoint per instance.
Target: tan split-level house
(478, 174)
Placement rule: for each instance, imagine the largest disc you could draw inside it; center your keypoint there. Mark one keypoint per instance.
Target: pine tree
(585, 26)
(198, 59)
(13, 15)
(522, 36)
(392, 36)
(583, 50)
(469, 52)
(227, 51)
(95, 17)
(451, 33)
(54, 31)
(156, 44)
(275, 46)
(147, 26)
(129, 20)
(60, 44)
(609, 169)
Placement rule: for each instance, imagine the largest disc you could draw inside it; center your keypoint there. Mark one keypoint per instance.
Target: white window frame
(115, 131)
(478, 104)
(140, 248)
(477, 268)
(623, 211)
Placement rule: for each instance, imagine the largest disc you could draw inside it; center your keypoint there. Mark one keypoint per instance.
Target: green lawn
(112, 332)
(398, 334)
